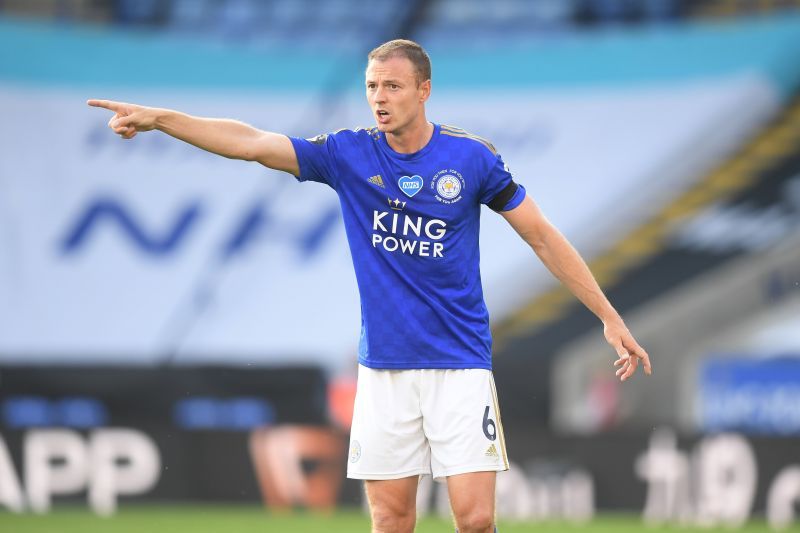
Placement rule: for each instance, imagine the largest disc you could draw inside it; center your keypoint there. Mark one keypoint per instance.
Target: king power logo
(395, 232)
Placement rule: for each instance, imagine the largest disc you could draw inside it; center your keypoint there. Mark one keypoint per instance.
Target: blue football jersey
(412, 224)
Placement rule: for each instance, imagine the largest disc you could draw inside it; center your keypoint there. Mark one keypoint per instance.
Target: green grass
(216, 519)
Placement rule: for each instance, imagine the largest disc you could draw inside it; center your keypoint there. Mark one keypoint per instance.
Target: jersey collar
(414, 155)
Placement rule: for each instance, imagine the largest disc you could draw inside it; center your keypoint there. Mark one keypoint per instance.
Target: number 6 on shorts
(489, 423)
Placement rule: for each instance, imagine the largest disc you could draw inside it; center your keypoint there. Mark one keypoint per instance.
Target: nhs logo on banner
(114, 212)
(252, 223)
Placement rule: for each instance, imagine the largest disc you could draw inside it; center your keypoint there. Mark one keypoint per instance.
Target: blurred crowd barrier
(109, 437)
(177, 434)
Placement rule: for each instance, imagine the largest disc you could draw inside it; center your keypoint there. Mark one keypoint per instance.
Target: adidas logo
(377, 180)
(492, 452)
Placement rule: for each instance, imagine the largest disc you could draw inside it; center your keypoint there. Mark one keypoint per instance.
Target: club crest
(447, 186)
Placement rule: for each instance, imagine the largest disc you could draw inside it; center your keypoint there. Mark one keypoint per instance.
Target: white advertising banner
(153, 251)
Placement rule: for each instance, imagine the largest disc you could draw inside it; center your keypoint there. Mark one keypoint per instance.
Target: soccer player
(411, 193)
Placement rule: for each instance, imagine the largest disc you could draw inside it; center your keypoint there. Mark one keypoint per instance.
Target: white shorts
(437, 422)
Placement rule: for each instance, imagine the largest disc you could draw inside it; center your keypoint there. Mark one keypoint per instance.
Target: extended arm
(566, 264)
(228, 138)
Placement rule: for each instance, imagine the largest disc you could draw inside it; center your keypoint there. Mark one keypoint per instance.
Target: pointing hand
(128, 119)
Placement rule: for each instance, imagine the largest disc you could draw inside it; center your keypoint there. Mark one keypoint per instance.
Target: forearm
(561, 258)
(225, 137)
(566, 264)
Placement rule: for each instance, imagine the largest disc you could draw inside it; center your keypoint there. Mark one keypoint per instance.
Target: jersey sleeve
(316, 158)
(500, 192)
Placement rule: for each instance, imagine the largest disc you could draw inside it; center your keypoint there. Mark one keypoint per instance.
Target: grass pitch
(216, 519)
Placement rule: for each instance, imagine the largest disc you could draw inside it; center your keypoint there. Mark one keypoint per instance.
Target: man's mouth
(383, 115)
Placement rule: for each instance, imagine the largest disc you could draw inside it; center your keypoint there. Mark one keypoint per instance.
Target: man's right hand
(225, 137)
(128, 119)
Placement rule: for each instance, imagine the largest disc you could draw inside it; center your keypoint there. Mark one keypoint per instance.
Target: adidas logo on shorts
(492, 452)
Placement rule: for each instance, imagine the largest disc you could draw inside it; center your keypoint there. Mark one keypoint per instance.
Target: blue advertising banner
(750, 395)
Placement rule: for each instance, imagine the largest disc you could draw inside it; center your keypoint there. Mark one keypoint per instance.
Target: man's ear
(425, 90)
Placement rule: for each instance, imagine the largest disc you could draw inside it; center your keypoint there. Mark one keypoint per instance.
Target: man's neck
(412, 139)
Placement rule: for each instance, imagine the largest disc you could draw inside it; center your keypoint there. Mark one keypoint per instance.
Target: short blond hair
(408, 49)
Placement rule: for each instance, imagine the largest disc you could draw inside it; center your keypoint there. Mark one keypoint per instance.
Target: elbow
(543, 237)
(538, 246)
(536, 239)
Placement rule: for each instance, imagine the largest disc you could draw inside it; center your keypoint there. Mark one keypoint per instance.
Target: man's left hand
(629, 352)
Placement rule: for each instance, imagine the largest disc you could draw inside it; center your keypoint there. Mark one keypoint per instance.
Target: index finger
(646, 361)
(636, 349)
(622, 351)
(641, 354)
(106, 104)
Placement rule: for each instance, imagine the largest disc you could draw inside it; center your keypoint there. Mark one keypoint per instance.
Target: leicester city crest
(448, 185)
(355, 451)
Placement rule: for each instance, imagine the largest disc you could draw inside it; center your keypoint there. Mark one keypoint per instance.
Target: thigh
(462, 422)
(386, 438)
(472, 499)
(392, 501)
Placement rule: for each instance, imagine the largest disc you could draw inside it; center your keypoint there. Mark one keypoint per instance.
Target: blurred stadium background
(178, 332)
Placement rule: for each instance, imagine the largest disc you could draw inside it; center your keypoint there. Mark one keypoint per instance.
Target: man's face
(393, 94)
